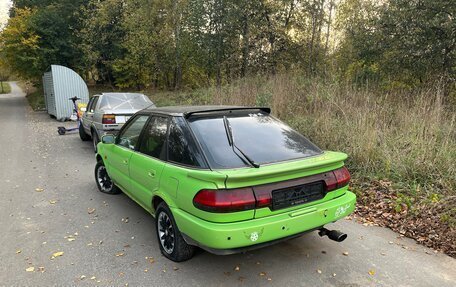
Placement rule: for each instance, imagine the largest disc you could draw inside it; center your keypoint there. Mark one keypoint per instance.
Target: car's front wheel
(172, 244)
(104, 182)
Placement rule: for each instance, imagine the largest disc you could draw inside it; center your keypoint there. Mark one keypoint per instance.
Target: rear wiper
(230, 137)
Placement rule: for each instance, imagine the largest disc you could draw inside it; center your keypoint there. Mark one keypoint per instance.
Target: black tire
(82, 134)
(104, 182)
(172, 244)
(61, 130)
(95, 140)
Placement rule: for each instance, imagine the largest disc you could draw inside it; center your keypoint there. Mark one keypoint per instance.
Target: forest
(375, 79)
(186, 44)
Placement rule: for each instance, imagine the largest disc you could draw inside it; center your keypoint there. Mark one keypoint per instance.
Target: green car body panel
(148, 180)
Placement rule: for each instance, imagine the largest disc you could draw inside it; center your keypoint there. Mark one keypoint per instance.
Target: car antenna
(230, 137)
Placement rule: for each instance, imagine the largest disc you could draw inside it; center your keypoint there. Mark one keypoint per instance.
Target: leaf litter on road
(30, 269)
(57, 254)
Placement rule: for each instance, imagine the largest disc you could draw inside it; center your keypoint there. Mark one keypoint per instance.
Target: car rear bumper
(227, 238)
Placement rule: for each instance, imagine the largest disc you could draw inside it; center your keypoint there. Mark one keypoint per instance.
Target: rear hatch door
(292, 185)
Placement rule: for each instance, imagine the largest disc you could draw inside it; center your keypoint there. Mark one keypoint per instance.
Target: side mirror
(83, 109)
(108, 139)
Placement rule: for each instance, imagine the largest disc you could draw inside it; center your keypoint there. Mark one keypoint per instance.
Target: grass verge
(5, 88)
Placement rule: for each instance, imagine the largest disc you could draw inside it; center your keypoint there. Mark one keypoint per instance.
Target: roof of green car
(189, 110)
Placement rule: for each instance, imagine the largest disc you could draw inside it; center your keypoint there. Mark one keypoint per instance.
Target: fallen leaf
(262, 274)
(236, 268)
(90, 210)
(175, 268)
(120, 254)
(93, 278)
(269, 279)
(18, 251)
(39, 189)
(318, 271)
(52, 201)
(345, 253)
(82, 277)
(71, 239)
(30, 269)
(372, 272)
(57, 254)
(334, 274)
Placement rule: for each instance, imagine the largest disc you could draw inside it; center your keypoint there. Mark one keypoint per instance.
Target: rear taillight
(109, 119)
(224, 200)
(337, 178)
(231, 200)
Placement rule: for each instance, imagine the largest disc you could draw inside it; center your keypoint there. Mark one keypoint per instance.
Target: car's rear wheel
(95, 140)
(172, 244)
(82, 133)
(104, 182)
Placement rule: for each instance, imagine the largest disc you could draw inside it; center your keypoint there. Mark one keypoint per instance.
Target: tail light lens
(224, 200)
(338, 178)
(231, 200)
(109, 119)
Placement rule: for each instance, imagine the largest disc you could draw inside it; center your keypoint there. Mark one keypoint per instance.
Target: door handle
(151, 173)
(125, 161)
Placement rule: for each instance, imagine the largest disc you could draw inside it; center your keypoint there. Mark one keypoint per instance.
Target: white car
(108, 112)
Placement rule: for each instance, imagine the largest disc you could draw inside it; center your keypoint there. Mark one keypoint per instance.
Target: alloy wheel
(103, 179)
(166, 232)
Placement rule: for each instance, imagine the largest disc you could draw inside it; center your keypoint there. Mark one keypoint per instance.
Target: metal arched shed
(60, 84)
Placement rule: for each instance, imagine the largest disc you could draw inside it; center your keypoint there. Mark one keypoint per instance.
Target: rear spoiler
(262, 109)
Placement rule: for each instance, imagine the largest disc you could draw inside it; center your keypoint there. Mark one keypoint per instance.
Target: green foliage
(399, 44)
(19, 45)
(5, 88)
(395, 45)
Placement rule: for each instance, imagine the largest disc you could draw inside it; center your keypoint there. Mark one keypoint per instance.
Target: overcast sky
(4, 8)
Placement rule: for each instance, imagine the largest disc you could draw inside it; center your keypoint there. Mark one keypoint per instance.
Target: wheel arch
(158, 198)
(98, 157)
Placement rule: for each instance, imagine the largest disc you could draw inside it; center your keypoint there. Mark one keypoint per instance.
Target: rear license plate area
(297, 195)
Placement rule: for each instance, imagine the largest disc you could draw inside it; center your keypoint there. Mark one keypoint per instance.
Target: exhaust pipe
(335, 235)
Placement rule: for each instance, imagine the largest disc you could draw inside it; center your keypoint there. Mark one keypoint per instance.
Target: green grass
(36, 100)
(5, 88)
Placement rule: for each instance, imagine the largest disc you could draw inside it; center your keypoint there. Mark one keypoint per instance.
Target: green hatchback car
(224, 178)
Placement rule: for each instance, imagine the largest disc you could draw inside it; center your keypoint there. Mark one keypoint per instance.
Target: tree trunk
(177, 51)
(245, 46)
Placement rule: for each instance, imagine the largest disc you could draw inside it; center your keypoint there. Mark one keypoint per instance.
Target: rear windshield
(121, 101)
(261, 137)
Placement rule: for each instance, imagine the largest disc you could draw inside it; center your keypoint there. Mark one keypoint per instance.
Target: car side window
(181, 145)
(89, 104)
(129, 136)
(93, 105)
(153, 142)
